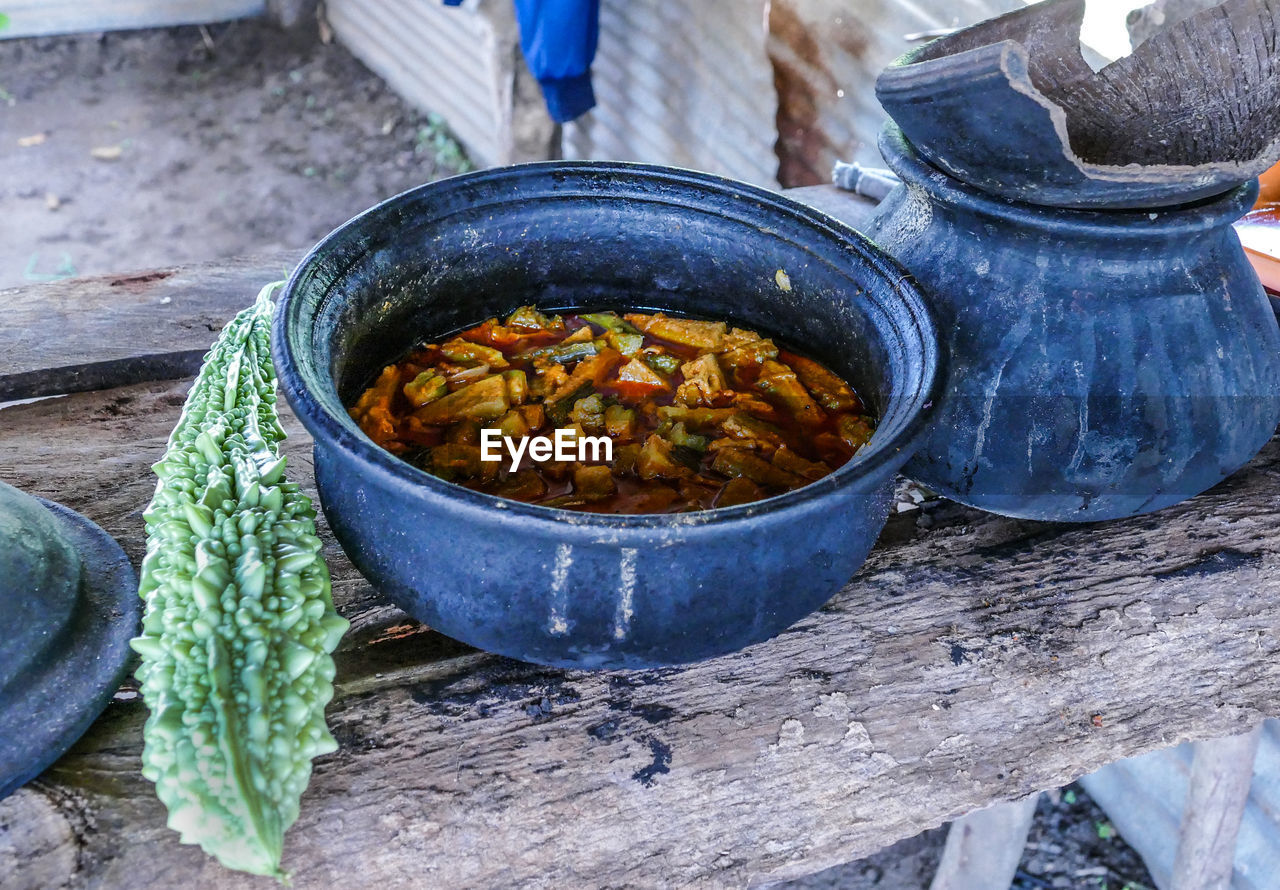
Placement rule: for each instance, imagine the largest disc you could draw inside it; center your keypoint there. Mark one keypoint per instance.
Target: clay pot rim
(1205, 215)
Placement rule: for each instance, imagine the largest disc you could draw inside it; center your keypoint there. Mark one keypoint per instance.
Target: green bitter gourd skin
(239, 622)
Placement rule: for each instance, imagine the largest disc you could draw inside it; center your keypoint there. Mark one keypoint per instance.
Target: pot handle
(870, 182)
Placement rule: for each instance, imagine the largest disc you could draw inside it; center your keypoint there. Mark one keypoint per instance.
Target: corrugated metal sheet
(29, 18)
(682, 83)
(826, 56)
(455, 61)
(1143, 797)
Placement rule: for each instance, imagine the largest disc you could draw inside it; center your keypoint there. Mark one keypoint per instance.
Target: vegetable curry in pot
(697, 414)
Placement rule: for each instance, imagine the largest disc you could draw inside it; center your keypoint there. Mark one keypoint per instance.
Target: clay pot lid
(70, 599)
(1010, 106)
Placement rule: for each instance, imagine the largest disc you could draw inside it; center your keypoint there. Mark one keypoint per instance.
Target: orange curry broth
(758, 435)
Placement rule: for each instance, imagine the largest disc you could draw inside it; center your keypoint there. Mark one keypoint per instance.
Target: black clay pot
(581, 589)
(1101, 364)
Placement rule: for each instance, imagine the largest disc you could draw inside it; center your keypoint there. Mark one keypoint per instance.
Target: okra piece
(743, 426)
(682, 438)
(426, 388)
(740, 462)
(468, 353)
(610, 321)
(780, 382)
(786, 459)
(661, 362)
(699, 419)
(568, 353)
(829, 390)
(517, 386)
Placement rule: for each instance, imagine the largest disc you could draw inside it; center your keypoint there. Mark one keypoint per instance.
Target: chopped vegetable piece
(704, 381)
(638, 377)
(741, 462)
(685, 331)
(534, 415)
(627, 344)
(594, 483)
(625, 458)
(619, 422)
(373, 409)
(450, 461)
(699, 419)
(568, 353)
(681, 438)
(529, 319)
(657, 459)
(517, 386)
(426, 387)
(786, 459)
(780, 382)
(512, 424)
(828, 389)
(744, 426)
(698, 414)
(463, 351)
(583, 334)
(526, 485)
(738, 491)
(547, 380)
(483, 400)
(464, 432)
(750, 354)
(588, 413)
(559, 407)
(855, 430)
(661, 362)
(610, 321)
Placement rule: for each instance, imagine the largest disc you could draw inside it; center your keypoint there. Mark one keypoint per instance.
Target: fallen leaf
(33, 139)
(107, 152)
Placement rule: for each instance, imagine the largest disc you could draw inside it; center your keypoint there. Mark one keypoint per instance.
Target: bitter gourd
(239, 623)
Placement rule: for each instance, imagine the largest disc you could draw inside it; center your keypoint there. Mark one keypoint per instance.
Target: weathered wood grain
(111, 330)
(981, 659)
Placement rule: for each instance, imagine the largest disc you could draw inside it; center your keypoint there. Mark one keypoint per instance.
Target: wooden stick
(1221, 774)
(984, 848)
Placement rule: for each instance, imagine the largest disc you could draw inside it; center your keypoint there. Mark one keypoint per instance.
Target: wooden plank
(112, 330)
(984, 848)
(1221, 774)
(982, 659)
(30, 18)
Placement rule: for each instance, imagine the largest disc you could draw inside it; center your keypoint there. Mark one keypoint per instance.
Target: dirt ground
(129, 150)
(132, 150)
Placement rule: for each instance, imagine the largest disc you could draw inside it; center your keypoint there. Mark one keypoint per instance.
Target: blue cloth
(558, 38)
